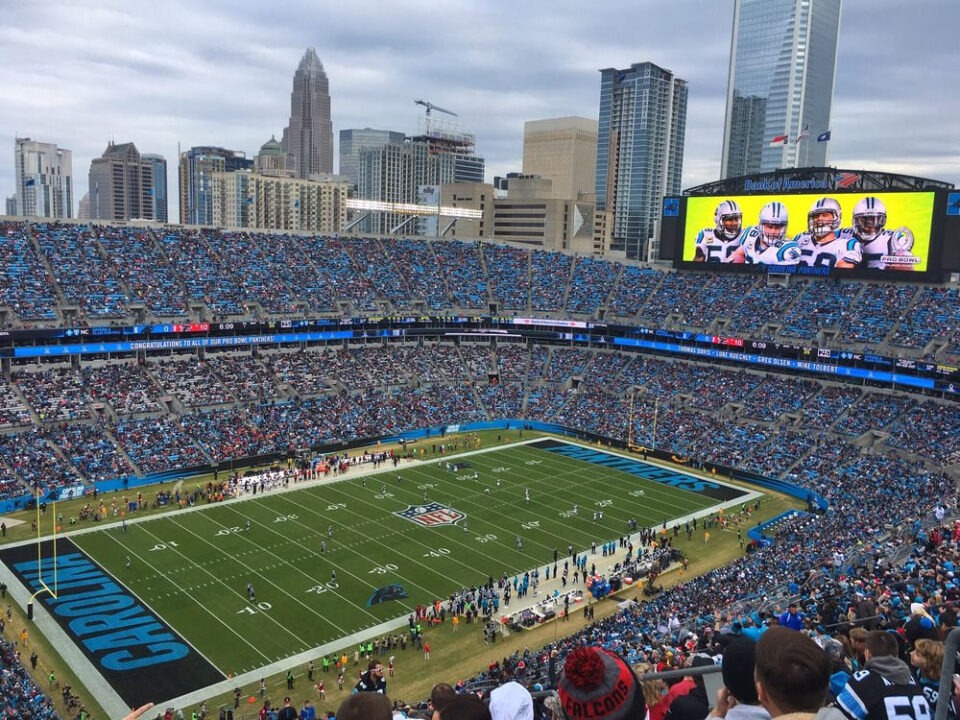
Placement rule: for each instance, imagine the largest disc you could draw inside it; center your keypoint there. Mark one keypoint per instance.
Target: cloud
(164, 75)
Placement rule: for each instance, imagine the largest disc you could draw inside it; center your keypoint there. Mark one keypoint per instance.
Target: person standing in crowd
(372, 681)
(884, 689)
(927, 659)
(308, 711)
(365, 706)
(694, 705)
(737, 699)
(511, 700)
(920, 624)
(792, 674)
(440, 695)
(792, 618)
(597, 683)
(288, 711)
(467, 707)
(654, 692)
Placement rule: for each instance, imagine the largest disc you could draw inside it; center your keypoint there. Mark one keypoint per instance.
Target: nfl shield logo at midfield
(431, 514)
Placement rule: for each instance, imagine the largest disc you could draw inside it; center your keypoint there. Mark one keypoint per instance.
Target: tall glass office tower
(783, 58)
(44, 175)
(643, 118)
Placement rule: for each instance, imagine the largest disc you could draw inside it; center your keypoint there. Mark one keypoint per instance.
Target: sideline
(98, 686)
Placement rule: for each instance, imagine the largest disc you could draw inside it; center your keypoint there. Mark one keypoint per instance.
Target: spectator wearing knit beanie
(600, 685)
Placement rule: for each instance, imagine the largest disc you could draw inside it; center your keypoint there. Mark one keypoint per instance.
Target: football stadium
(237, 467)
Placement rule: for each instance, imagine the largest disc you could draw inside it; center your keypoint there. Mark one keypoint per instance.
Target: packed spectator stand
(883, 458)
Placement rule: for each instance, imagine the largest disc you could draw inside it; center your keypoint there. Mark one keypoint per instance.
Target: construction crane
(430, 106)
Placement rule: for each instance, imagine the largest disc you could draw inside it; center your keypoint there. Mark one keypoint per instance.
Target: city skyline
(133, 72)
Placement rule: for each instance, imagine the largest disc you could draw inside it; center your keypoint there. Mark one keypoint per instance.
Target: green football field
(402, 526)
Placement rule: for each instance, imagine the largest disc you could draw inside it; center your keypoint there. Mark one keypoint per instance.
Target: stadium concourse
(882, 455)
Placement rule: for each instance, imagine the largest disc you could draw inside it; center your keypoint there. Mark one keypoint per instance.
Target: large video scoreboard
(812, 234)
(820, 226)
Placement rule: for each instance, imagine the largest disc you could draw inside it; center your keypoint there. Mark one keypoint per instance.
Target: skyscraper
(121, 185)
(44, 175)
(197, 166)
(783, 59)
(353, 140)
(563, 150)
(643, 118)
(158, 167)
(309, 136)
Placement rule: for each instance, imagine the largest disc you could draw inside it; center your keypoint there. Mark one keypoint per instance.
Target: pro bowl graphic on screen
(816, 234)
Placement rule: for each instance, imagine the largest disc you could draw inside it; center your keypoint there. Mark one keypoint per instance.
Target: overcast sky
(161, 74)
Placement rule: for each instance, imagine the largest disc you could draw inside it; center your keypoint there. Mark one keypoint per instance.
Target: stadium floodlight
(412, 209)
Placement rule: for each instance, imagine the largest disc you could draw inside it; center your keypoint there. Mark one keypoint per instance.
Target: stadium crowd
(108, 273)
(71, 426)
(877, 456)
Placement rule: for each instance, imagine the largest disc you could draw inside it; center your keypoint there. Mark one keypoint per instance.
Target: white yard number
(531, 525)
(229, 530)
(500, 469)
(383, 569)
(164, 546)
(284, 518)
(533, 462)
(384, 495)
(638, 493)
(439, 552)
(425, 486)
(249, 610)
(603, 503)
(337, 506)
(486, 538)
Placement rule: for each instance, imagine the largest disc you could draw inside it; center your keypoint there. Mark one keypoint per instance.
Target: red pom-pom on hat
(584, 669)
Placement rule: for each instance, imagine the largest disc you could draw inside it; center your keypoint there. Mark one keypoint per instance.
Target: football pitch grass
(325, 559)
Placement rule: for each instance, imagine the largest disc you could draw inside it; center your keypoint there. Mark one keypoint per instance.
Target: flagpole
(804, 135)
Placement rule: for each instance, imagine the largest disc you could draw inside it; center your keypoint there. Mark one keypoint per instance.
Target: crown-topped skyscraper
(308, 139)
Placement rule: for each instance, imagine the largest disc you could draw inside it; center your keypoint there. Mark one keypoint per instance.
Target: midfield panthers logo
(431, 514)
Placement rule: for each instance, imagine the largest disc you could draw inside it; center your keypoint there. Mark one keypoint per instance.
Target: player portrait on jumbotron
(824, 244)
(767, 243)
(721, 243)
(882, 249)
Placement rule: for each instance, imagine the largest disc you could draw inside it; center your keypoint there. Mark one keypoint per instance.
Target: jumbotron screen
(882, 232)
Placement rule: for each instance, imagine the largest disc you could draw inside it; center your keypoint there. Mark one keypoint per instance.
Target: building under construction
(413, 171)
